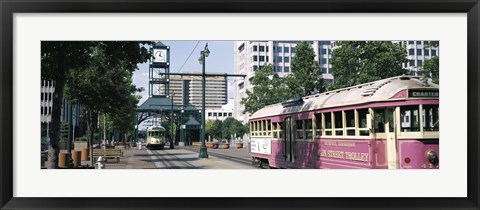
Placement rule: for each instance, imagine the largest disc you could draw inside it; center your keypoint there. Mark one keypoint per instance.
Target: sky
(220, 60)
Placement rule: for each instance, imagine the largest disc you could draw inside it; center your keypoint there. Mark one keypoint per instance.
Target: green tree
(431, 67)
(305, 78)
(268, 88)
(208, 127)
(357, 62)
(231, 126)
(216, 131)
(90, 71)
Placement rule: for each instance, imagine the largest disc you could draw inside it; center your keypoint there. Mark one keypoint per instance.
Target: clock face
(160, 55)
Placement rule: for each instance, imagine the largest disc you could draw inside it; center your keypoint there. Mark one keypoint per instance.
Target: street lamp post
(203, 149)
(171, 122)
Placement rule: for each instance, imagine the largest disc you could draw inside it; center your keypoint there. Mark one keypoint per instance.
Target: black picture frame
(10, 7)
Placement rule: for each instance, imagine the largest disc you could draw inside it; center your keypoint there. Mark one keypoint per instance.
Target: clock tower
(159, 77)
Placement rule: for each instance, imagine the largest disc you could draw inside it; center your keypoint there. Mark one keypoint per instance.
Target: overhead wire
(193, 50)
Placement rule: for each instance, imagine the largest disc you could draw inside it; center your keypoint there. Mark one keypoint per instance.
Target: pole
(203, 148)
(171, 123)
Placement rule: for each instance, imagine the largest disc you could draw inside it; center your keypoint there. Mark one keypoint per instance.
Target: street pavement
(183, 158)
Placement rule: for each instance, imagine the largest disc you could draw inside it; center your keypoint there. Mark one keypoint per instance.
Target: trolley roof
(155, 128)
(381, 90)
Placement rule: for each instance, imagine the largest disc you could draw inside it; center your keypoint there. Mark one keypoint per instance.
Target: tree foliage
(231, 126)
(357, 62)
(268, 88)
(96, 75)
(431, 67)
(305, 78)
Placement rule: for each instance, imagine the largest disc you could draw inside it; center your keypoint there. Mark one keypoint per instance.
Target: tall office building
(250, 55)
(188, 90)
(417, 53)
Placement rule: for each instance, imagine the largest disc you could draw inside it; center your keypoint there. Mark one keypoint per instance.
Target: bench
(107, 154)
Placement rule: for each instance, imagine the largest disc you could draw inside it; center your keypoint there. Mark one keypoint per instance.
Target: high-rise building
(417, 53)
(250, 55)
(188, 90)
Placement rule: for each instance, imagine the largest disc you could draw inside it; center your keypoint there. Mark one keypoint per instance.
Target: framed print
(28, 25)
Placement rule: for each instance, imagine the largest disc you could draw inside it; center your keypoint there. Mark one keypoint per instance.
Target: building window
(286, 49)
(324, 70)
(279, 49)
(324, 61)
(267, 58)
(411, 62)
(426, 52)
(209, 114)
(262, 58)
(229, 114)
(434, 53)
(279, 59)
(255, 67)
(419, 62)
(254, 48)
(254, 58)
(293, 49)
(419, 42)
(324, 51)
(279, 69)
(286, 69)
(262, 48)
(267, 48)
(411, 42)
(411, 52)
(419, 51)
(286, 59)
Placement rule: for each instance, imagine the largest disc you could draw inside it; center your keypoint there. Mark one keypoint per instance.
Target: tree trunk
(91, 128)
(53, 148)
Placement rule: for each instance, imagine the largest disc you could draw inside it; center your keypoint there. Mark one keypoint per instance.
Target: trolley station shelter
(160, 102)
(185, 116)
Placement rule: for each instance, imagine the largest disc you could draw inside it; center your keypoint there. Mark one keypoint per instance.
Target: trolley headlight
(432, 157)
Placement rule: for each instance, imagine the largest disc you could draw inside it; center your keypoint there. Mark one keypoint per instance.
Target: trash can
(84, 154)
(76, 158)
(63, 160)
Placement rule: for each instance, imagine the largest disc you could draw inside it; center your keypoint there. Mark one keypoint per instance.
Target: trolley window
(379, 120)
(362, 122)
(430, 118)
(318, 125)
(350, 120)
(410, 118)
(269, 127)
(308, 129)
(328, 123)
(300, 129)
(338, 123)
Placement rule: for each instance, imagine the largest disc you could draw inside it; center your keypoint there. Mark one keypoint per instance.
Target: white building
(418, 53)
(222, 113)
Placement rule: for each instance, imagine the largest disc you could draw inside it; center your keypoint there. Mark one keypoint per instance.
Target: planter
(197, 144)
(239, 145)
(225, 146)
(212, 145)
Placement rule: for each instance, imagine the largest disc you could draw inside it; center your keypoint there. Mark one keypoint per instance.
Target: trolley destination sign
(423, 93)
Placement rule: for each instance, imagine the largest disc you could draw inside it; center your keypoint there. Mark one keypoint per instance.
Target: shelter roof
(158, 104)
